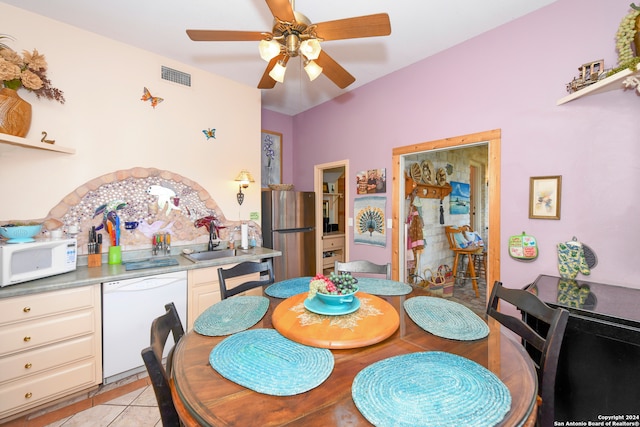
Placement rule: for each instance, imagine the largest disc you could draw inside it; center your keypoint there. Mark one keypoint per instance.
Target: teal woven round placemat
(376, 286)
(430, 389)
(265, 361)
(288, 288)
(446, 319)
(231, 315)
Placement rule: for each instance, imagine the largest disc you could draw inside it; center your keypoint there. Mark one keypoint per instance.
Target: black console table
(599, 366)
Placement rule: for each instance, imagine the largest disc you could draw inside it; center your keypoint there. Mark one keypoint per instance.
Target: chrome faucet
(212, 236)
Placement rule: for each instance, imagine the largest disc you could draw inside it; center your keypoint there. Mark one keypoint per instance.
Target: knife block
(94, 260)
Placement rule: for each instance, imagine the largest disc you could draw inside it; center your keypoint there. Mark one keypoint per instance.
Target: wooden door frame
(317, 185)
(493, 140)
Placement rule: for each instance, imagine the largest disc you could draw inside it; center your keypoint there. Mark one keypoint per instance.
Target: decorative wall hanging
(544, 197)
(371, 181)
(459, 198)
(146, 96)
(209, 133)
(271, 159)
(369, 213)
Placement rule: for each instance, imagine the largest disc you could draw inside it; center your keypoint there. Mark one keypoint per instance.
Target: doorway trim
(493, 139)
(318, 171)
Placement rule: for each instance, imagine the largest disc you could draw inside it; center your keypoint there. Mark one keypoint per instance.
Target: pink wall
(509, 78)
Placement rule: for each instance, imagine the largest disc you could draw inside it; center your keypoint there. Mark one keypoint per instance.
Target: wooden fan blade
(352, 28)
(334, 71)
(281, 9)
(266, 82)
(224, 36)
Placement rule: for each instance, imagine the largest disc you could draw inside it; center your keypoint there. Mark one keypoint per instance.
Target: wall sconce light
(244, 178)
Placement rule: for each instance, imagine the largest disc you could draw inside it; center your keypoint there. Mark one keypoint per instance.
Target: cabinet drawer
(33, 390)
(330, 261)
(27, 335)
(35, 361)
(39, 305)
(204, 275)
(332, 243)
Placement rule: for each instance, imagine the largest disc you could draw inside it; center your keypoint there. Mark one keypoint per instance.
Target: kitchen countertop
(84, 275)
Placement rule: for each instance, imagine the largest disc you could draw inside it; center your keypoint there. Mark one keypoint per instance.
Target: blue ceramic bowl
(336, 300)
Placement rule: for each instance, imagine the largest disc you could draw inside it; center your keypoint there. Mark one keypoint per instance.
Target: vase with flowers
(28, 71)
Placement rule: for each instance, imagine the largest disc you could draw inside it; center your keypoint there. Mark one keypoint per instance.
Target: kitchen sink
(209, 255)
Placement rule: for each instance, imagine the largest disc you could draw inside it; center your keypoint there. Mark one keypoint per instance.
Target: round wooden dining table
(216, 401)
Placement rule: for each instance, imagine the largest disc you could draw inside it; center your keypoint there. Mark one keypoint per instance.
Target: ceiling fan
(293, 34)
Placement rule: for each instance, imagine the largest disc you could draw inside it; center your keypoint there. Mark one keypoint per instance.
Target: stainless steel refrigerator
(288, 225)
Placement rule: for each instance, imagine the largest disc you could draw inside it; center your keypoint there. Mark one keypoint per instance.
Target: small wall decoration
(459, 198)
(146, 96)
(369, 226)
(209, 133)
(371, 181)
(271, 159)
(544, 197)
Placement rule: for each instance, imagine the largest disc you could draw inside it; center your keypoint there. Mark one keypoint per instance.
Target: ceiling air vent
(176, 76)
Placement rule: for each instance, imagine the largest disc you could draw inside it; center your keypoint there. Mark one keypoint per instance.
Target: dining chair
(265, 269)
(363, 266)
(172, 412)
(546, 347)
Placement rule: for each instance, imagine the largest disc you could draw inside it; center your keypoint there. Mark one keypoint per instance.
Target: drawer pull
(28, 366)
(27, 339)
(26, 309)
(28, 395)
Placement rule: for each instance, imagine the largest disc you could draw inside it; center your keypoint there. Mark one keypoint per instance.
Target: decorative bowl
(20, 233)
(336, 300)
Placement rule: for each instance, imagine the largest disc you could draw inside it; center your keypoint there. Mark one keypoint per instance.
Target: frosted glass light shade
(310, 49)
(313, 70)
(269, 49)
(277, 73)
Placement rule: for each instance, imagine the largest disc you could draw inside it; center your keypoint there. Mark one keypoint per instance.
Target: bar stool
(460, 252)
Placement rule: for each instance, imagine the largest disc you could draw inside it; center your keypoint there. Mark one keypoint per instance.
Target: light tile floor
(137, 408)
(128, 402)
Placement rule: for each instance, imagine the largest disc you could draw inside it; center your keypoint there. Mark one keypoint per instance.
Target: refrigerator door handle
(294, 230)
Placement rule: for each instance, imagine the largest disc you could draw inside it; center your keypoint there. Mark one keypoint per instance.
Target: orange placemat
(373, 322)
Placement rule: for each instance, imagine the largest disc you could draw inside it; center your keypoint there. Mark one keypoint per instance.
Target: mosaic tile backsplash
(159, 201)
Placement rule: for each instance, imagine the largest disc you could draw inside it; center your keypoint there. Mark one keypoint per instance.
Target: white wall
(112, 129)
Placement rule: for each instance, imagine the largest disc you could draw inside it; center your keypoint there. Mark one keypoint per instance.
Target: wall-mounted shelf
(23, 142)
(610, 83)
(426, 191)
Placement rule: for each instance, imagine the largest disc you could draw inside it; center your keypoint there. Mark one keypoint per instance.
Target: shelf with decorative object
(613, 82)
(426, 191)
(27, 143)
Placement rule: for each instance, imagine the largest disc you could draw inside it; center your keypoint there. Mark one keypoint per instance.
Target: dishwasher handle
(144, 284)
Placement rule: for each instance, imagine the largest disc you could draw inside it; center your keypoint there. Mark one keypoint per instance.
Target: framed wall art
(271, 158)
(544, 197)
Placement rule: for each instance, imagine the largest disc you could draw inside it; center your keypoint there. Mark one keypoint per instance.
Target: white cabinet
(50, 347)
(203, 289)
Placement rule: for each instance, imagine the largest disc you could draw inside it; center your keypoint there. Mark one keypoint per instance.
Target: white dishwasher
(128, 308)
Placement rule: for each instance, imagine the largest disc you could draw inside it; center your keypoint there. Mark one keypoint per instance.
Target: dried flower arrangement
(28, 70)
(625, 38)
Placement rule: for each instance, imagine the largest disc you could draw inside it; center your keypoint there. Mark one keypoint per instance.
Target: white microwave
(21, 262)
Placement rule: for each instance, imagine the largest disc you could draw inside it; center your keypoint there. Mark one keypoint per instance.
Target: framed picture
(544, 197)
(271, 158)
(460, 198)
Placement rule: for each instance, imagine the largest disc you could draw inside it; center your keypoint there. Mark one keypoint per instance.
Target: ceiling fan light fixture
(277, 73)
(313, 70)
(310, 48)
(269, 49)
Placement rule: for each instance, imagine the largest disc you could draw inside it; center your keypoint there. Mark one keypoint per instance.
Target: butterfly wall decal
(210, 133)
(146, 96)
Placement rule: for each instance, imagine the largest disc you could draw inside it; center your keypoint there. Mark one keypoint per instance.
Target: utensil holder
(115, 255)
